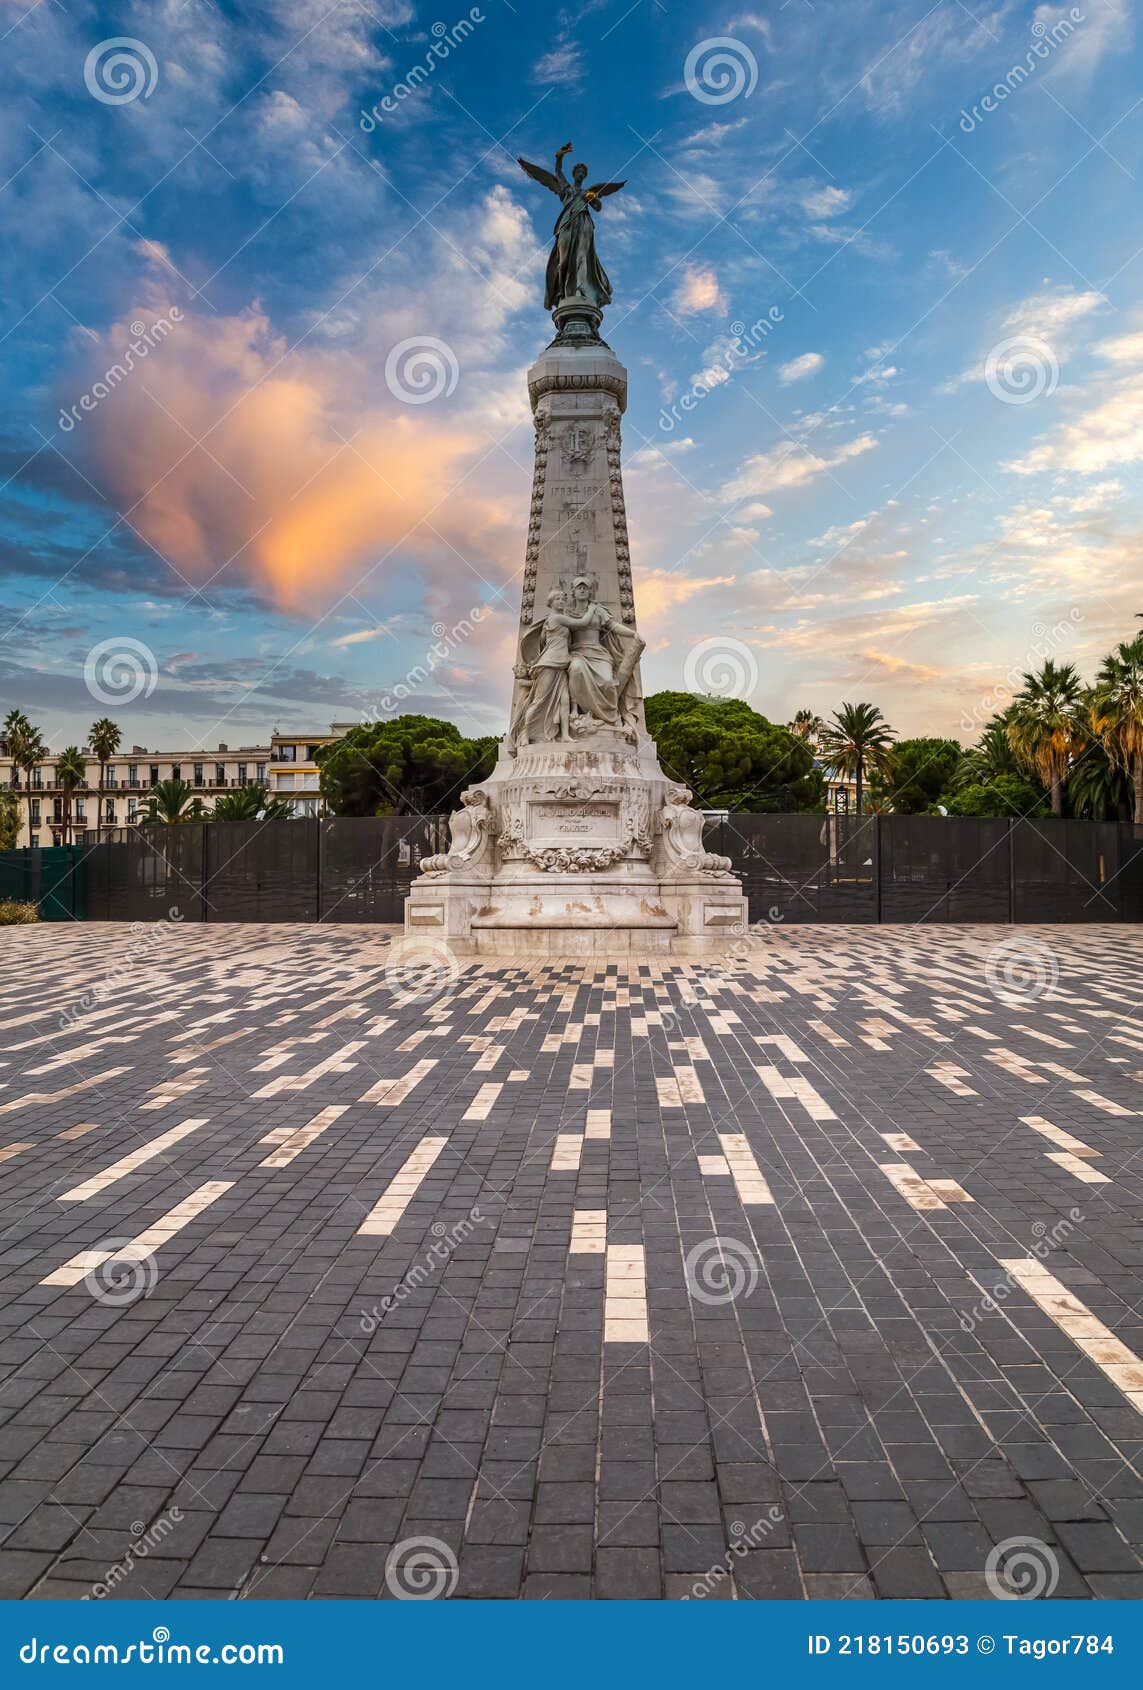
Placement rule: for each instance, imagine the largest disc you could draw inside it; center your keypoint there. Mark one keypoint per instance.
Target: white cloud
(1110, 433)
(799, 368)
(790, 466)
(698, 291)
(1121, 349)
(827, 202)
(563, 64)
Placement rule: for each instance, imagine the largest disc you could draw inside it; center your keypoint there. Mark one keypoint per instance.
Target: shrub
(15, 914)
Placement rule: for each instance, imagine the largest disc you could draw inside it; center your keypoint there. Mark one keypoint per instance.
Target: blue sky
(920, 479)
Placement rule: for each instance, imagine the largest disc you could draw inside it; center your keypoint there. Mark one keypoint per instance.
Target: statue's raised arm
(575, 277)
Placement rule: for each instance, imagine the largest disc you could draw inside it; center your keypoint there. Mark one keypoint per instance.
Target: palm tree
(104, 740)
(16, 730)
(1046, 727)
(1117, 714)
(807, 725)
(71, 772)
(1098, 789)
(854, 741)
(169, 802)
(990, 756)
(251, 803)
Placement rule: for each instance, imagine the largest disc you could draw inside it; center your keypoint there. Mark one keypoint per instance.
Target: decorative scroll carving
(680, 828)
(472, 830)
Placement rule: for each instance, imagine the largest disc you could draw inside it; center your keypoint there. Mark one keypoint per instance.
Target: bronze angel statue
(574, 271)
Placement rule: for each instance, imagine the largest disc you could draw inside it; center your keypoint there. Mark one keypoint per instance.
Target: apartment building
(284, 764)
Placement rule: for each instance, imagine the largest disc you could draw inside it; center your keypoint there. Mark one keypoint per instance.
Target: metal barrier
(800, 868)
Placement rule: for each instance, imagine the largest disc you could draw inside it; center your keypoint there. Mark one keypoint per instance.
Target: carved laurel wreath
(567, 859)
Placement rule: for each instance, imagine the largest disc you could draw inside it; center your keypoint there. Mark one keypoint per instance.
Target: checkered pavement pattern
(814, 1273)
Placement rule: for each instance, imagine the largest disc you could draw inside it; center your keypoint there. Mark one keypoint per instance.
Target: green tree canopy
(1004, 795)
(731, 757)
(9, 818)
(250, 803)
(412, 765)
(913, 773)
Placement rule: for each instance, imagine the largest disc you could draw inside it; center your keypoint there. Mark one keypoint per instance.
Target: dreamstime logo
(732, 354)
(1045, 38)
(446, 1240)
(146, 1538)
(1021, 370)
(446, 642)
(1021, 1569)
(1045, 641)
(719, 69)
(720, 1270)
(144, 337)
(143, 936)
(1019, 971)
(120, 70)
(420, 970)
(420, 1569)
(421, 369)
(721, 667)
(445, 39)
(120, 670)
(1045, 1241)
(122, 1275)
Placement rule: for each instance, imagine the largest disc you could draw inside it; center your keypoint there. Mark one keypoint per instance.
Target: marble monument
(577, 843)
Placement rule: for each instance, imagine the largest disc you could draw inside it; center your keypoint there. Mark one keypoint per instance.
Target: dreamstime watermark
(1046, 38)
(1047, 1239)
(421, 1569)
(730, 357)
(421, 970)
(1022, 369)
(119, 670)
(719, 70)
(720, 1270)
(1045, 642)
(146, 934)
(1021, 1569)
(146, 1538)
(421, 369)
(120, 70)
(144, 338)
(446, 1240)
(720, 667)
(745, 1539)
(444, 41)
(1021, 970)
(121, 1272)
(446, 642)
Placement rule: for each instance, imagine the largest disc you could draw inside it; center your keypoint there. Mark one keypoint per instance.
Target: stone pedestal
(577, 844)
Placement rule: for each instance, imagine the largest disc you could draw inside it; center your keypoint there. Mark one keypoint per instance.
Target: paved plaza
(815, 1274)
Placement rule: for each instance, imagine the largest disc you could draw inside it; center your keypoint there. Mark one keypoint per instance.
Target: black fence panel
(802, 868)
(944, 868)
(262, 871)
(799, 868)
(1066, 871)
(368, 864)
(146, 874)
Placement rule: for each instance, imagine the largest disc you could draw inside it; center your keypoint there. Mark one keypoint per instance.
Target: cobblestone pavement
(817, 1275)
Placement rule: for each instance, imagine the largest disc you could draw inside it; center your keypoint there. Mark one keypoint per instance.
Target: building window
(132, 774)
(311, 753)
(198, 774)
(35, 841)
(242, 774)
(285, 783)
(80, 813)
(37, 776)
(112, 778)
(154, 774)
(132, 806)
(261, 768)
(109, 809)
(57, 809)
(176, 771)
(35, 812)
(220, 774)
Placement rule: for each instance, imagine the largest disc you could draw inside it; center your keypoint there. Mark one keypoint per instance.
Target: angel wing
(602, 189)
(537, 172)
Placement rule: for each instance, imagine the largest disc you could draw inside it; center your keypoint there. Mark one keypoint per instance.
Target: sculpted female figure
(574, 271)
(599, 669)
(545, 710)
